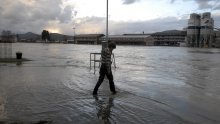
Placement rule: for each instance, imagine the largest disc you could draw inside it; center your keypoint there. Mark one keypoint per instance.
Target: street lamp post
(105, 43)
(107, 23)
(74, 29)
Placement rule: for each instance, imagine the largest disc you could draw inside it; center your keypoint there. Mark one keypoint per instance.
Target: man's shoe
(114, 92)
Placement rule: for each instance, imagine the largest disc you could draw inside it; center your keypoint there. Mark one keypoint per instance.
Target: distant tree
(6, 33)
(45, 35)
(48, 35)
(7, 36)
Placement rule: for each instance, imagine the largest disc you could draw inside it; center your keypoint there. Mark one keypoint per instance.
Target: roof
(89, 35)
(128, 36)
(170, 32)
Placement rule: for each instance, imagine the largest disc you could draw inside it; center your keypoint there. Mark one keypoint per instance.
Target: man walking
(106, 68)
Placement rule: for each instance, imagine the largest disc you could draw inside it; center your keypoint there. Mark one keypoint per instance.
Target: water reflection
(2, 108)
(19, 63)
(104, 109)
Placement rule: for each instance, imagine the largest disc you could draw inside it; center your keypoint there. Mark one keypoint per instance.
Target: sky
(89, 16)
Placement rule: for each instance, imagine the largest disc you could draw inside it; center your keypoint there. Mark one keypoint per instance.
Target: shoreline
(13, 60)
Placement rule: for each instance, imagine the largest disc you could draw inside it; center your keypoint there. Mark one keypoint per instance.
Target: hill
(29, 36)
(34, 37)
(170, 32)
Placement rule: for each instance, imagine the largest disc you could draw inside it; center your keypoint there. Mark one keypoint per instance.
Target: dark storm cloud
(208, 4)
(172, 1)
(205, 4)
(129, 1)
(32, 15)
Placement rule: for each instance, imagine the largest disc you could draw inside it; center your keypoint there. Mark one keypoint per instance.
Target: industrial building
(88, 38)
(118, 39)
(131, 39)
(8, 39)
(200, 31)
(169, 38)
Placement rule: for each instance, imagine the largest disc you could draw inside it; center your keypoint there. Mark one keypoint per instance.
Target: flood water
(156, 85)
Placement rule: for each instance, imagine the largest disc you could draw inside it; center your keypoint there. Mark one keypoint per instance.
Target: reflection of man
(104, 109)
(106, 69)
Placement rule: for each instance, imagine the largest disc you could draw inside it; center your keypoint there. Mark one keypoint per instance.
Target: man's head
(111, 45)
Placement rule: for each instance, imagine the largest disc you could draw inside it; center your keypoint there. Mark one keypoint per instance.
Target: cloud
(149, 26)
(97, 25)
(208, 4)
(23, 16)
(90, 25)
(172, 1)
(66, 15)
(205, 4)
(129, 1)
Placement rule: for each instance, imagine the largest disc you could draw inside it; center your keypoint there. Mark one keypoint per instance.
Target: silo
(206, 15)
(206, 31)
(193, 30)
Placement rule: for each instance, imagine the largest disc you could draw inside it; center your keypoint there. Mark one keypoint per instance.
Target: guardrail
(94, 59)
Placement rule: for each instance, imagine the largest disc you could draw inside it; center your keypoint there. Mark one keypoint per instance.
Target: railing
(94, 59)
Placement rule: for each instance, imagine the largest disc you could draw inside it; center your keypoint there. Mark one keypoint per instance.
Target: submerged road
(168, 85)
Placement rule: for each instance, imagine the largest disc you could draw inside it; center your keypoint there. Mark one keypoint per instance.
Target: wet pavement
(156, 85)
